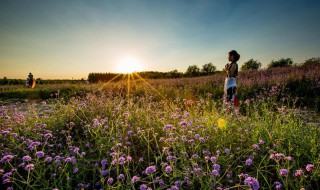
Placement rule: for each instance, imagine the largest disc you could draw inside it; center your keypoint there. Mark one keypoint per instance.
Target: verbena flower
(75, 170)
(252, 183)
(298, 173)
(104, 172)
(134, 179)
(103, 162)
(216, 167)
(48, 159)
(278, 185)
(168, 169)
(40, 154)
(143, 187)
(29, 167)
(309, 167)
(121, 176)
(248, 162)
(110, 181)
(213, 159)
(26, 158)
(283, 172)
(150, 169)
(215, 172)
(6, 158)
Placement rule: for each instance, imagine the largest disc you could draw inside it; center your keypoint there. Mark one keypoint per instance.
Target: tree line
(207, 69)
(192, 71)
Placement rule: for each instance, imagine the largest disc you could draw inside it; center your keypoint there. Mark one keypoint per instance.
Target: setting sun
(128, 65)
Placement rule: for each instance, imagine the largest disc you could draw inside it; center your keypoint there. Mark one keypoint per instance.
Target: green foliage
(193, 70)
(208, 69)
(251, 65)
(142, 131)
(311, 62)
(281, 63)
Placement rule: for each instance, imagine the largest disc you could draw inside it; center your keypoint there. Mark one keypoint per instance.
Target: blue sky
(70, 39)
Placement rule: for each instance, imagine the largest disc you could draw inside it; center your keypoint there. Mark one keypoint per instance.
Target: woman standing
(230, 86)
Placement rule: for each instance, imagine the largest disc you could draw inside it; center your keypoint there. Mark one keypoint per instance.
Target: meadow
(164, 134)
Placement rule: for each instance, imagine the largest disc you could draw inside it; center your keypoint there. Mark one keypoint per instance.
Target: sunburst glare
(128, 65)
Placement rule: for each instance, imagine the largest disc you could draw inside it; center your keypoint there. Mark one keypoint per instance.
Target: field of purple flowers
(163, 136)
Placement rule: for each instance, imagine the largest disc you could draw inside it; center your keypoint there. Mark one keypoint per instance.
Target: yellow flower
(222, 123)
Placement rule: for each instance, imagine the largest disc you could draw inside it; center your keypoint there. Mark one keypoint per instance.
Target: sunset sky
(57, 39)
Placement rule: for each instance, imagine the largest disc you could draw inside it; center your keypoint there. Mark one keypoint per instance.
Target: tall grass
(169, 135)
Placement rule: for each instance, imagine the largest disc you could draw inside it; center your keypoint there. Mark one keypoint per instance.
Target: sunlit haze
(128, 65)
(70, 39)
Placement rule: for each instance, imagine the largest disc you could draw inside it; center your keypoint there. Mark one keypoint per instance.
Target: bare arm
(232, 70)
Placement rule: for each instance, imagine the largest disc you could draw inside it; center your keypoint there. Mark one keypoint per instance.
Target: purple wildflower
(248, 162)
(309, 167)
(216, 167)
(174, 187)
(48, 159)
(103, 162)
(40, 154)
(278, 185)
(150, 169)
(256, 146)
(110, 181)
(135, 179)
(252, 183)
(298, 173)
(167, 127)
(104, 172)
(68, 159)
(213, 159)
(6, 158)
(121, 160)
(215, 172)
(29, 167)
(168, 169)
(283, 172)
(121, 176)
(5, 181)
(177, 183)
(143, 187)
(75, 170)
(129, 158)
(26, 158)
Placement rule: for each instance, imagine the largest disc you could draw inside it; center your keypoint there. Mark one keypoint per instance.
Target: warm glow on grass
(128, 65)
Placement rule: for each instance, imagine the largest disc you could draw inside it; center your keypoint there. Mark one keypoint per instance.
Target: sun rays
(134, 79)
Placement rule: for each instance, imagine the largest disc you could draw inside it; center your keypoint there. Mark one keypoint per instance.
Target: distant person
(30, 76)
(230, 86)
(31, 83)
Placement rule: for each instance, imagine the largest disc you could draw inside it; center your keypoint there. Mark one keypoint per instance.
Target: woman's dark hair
(235, 55)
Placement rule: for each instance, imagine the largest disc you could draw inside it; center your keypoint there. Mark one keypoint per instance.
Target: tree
(5, 80)
(208, 68)
(174, 74)
(251, 65)
(281, 63)
(311, 62)
(193, 71)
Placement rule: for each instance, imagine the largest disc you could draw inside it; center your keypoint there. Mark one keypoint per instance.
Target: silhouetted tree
(281, 63)
(5, 80)
(193, 71)
(208, 69)
(311, 62)
(251, 65)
